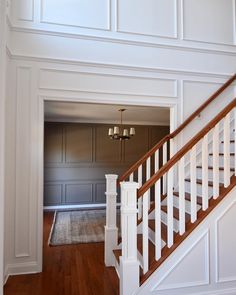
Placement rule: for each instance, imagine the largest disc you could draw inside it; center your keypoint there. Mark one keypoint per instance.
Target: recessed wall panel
(79, 193)
(53, 194)
(81, 13)
(78, 141)
(102, 83)
(152, 17)
(53, 144)
(210, 21)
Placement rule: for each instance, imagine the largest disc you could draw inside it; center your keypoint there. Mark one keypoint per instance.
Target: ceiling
(105, 113)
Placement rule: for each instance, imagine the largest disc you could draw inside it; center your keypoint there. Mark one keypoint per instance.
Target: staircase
(166, 195)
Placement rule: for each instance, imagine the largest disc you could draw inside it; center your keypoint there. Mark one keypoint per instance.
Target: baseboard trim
(20, 269)
(84, 206)
(230, 291)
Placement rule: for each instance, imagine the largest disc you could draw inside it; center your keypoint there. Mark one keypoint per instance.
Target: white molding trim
(205, 42)
(21, 268)
(143, 34)
(32, 14)
(18, 253)
(41, 101)
(121, 40)
(84, 206)
(205, 237)
(168, 71)
(217, 269)
(108, 25)
(71, 120)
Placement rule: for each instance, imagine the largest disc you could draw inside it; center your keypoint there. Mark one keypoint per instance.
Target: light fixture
(119, 132)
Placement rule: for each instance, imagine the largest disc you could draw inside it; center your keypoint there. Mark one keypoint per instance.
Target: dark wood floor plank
(67, 270)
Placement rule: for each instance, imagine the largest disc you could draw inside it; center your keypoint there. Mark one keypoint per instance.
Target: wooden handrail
(186, 148)
(178, 130)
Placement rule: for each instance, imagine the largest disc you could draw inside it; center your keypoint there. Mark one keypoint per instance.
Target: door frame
(172, 105)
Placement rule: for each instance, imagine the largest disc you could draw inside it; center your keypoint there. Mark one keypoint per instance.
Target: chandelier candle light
(121, 133)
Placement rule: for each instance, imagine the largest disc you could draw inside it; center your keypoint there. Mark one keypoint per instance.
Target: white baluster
(158, 239)
(148, 174)
(227, 150)
(129, 265)
(216, 162)
(181, 197)
(193, 184)
(140, 182)
(131, 177)
(205, 172)
(170, 237)
(164, 160)
(234, 112)
(111, 231)
(145, 232)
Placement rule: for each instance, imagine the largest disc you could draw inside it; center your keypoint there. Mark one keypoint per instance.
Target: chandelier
(121, 133)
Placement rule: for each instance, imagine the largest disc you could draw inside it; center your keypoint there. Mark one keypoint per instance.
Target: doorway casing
(173, 106)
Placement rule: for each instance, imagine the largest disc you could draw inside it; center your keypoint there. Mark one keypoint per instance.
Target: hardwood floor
(67, 270)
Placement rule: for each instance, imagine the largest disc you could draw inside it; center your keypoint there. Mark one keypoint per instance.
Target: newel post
(129, 264)
(111, 231)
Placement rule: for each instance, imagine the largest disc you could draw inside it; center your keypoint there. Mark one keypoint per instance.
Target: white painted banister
(227, 150)
(216, 162)
(205, 173)
(181, 197)
(193, 188)
(129, 264)
(111, 231)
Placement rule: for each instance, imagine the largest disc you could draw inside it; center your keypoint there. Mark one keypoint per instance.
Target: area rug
(72, 227)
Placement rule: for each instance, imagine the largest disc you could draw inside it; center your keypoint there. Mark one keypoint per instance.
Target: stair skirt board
(205, 262)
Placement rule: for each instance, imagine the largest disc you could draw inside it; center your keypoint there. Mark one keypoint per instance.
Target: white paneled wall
(153, 52)
(213, 272)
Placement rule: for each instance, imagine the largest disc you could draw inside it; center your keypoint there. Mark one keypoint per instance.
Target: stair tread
(222, 154)
(151, 224)
(211, 168)
(231, 141)
(176, 213)
(188, 197)
(117, 254)
(199, 181)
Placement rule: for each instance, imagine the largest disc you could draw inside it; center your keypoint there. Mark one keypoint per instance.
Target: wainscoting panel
(154, 17)
(226, 243)
(103, 83)
(79, 193)
(23, 10)
(210, 21)
(23, 151)
(84, 13)
(78, 176)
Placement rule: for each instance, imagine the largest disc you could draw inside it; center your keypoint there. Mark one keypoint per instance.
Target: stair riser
(199, 189)
(221, 148)
(221, 161)
(210, 174)
(187, 204)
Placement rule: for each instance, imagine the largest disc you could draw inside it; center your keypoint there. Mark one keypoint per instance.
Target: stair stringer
(200, 265)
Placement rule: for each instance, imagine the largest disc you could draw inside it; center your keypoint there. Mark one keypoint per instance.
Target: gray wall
(77, 157)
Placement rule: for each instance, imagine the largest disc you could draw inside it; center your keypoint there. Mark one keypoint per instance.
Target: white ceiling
(105, 113)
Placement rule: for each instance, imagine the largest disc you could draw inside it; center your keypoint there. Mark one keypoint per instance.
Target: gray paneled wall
(77, 157)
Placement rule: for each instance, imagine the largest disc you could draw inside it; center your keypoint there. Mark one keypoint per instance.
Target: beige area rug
(72, 227)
